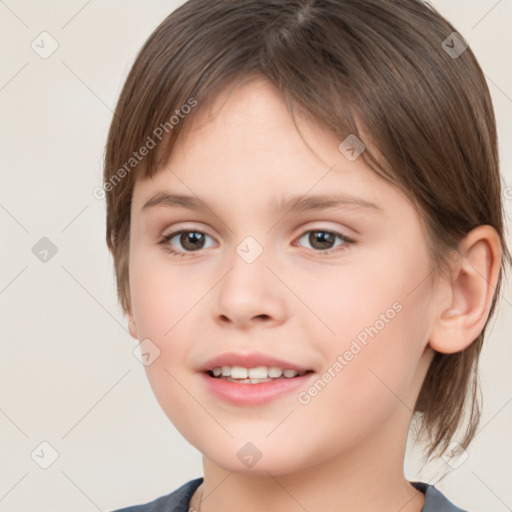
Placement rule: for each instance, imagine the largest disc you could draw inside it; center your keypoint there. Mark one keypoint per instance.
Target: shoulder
(176, 501)
(435, 500)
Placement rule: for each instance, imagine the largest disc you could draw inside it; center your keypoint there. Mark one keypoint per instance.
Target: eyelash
(181, 254)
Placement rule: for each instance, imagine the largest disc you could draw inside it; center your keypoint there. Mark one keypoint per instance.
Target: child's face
(304, 299)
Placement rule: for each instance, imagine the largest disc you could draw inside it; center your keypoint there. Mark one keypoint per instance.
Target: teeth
(237, 372)
(246, 381)
(275, 372)
(261, 372)
(254, 375)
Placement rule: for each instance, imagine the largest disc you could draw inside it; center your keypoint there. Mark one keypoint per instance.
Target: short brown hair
(353, 65)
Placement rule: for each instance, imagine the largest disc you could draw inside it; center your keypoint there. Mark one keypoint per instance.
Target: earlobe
(131, 326)
(474, 280)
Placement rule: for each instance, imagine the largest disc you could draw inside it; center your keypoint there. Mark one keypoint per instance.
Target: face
(330, 287)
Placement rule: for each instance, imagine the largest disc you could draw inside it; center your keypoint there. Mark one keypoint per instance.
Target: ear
(132, 327)
(474, 279)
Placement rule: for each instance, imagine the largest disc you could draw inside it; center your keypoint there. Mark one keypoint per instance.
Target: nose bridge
(249, 289)
(247, 276)
(249, 250)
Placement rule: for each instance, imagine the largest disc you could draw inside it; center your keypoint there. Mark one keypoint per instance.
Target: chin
(258, 459)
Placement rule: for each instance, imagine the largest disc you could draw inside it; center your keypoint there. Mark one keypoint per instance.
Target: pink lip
(249, 360)
(253, 394)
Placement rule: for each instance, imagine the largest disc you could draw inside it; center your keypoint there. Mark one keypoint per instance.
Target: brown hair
(353, 65)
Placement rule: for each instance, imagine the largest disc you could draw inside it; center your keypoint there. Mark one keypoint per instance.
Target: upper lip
(249, 360)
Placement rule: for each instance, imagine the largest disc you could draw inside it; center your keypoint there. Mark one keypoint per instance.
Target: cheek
(370, 293)
(162, 295)
(362, 388)
(378, 315)
(163, 302)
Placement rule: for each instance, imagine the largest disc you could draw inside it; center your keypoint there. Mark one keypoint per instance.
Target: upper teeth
(260, 372)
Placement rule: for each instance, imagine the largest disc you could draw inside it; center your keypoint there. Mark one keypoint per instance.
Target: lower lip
(253, 394)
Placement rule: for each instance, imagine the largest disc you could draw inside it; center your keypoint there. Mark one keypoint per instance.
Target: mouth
(252, 379)
(252, 368)
(255, 375)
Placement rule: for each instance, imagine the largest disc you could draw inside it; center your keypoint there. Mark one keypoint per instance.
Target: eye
(190, 241)
(322, 240)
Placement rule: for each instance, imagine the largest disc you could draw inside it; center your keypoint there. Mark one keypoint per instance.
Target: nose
(249, 294)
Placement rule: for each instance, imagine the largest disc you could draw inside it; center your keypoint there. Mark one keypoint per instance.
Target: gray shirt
(179, 500)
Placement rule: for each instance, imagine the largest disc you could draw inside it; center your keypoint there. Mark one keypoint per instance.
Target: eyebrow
(299, 203)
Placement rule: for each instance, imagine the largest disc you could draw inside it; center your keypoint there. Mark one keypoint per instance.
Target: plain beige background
(68, 376)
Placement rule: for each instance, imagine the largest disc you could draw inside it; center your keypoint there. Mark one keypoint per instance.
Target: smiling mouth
(256, 375)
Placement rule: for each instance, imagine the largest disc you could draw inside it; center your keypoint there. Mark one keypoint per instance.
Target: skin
(295, 301)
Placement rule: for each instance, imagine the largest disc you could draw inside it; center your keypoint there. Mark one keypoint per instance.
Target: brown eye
(323, 240)
(189, 241)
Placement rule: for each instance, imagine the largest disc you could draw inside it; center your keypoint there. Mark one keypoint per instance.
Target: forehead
(244, 144)
(246, 109)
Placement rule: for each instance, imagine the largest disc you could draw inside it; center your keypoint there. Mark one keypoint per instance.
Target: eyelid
(348, 233)
(183, 227)
(335, 232)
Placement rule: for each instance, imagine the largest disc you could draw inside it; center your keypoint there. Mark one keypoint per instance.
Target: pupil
(322, 238)
(188, 239)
